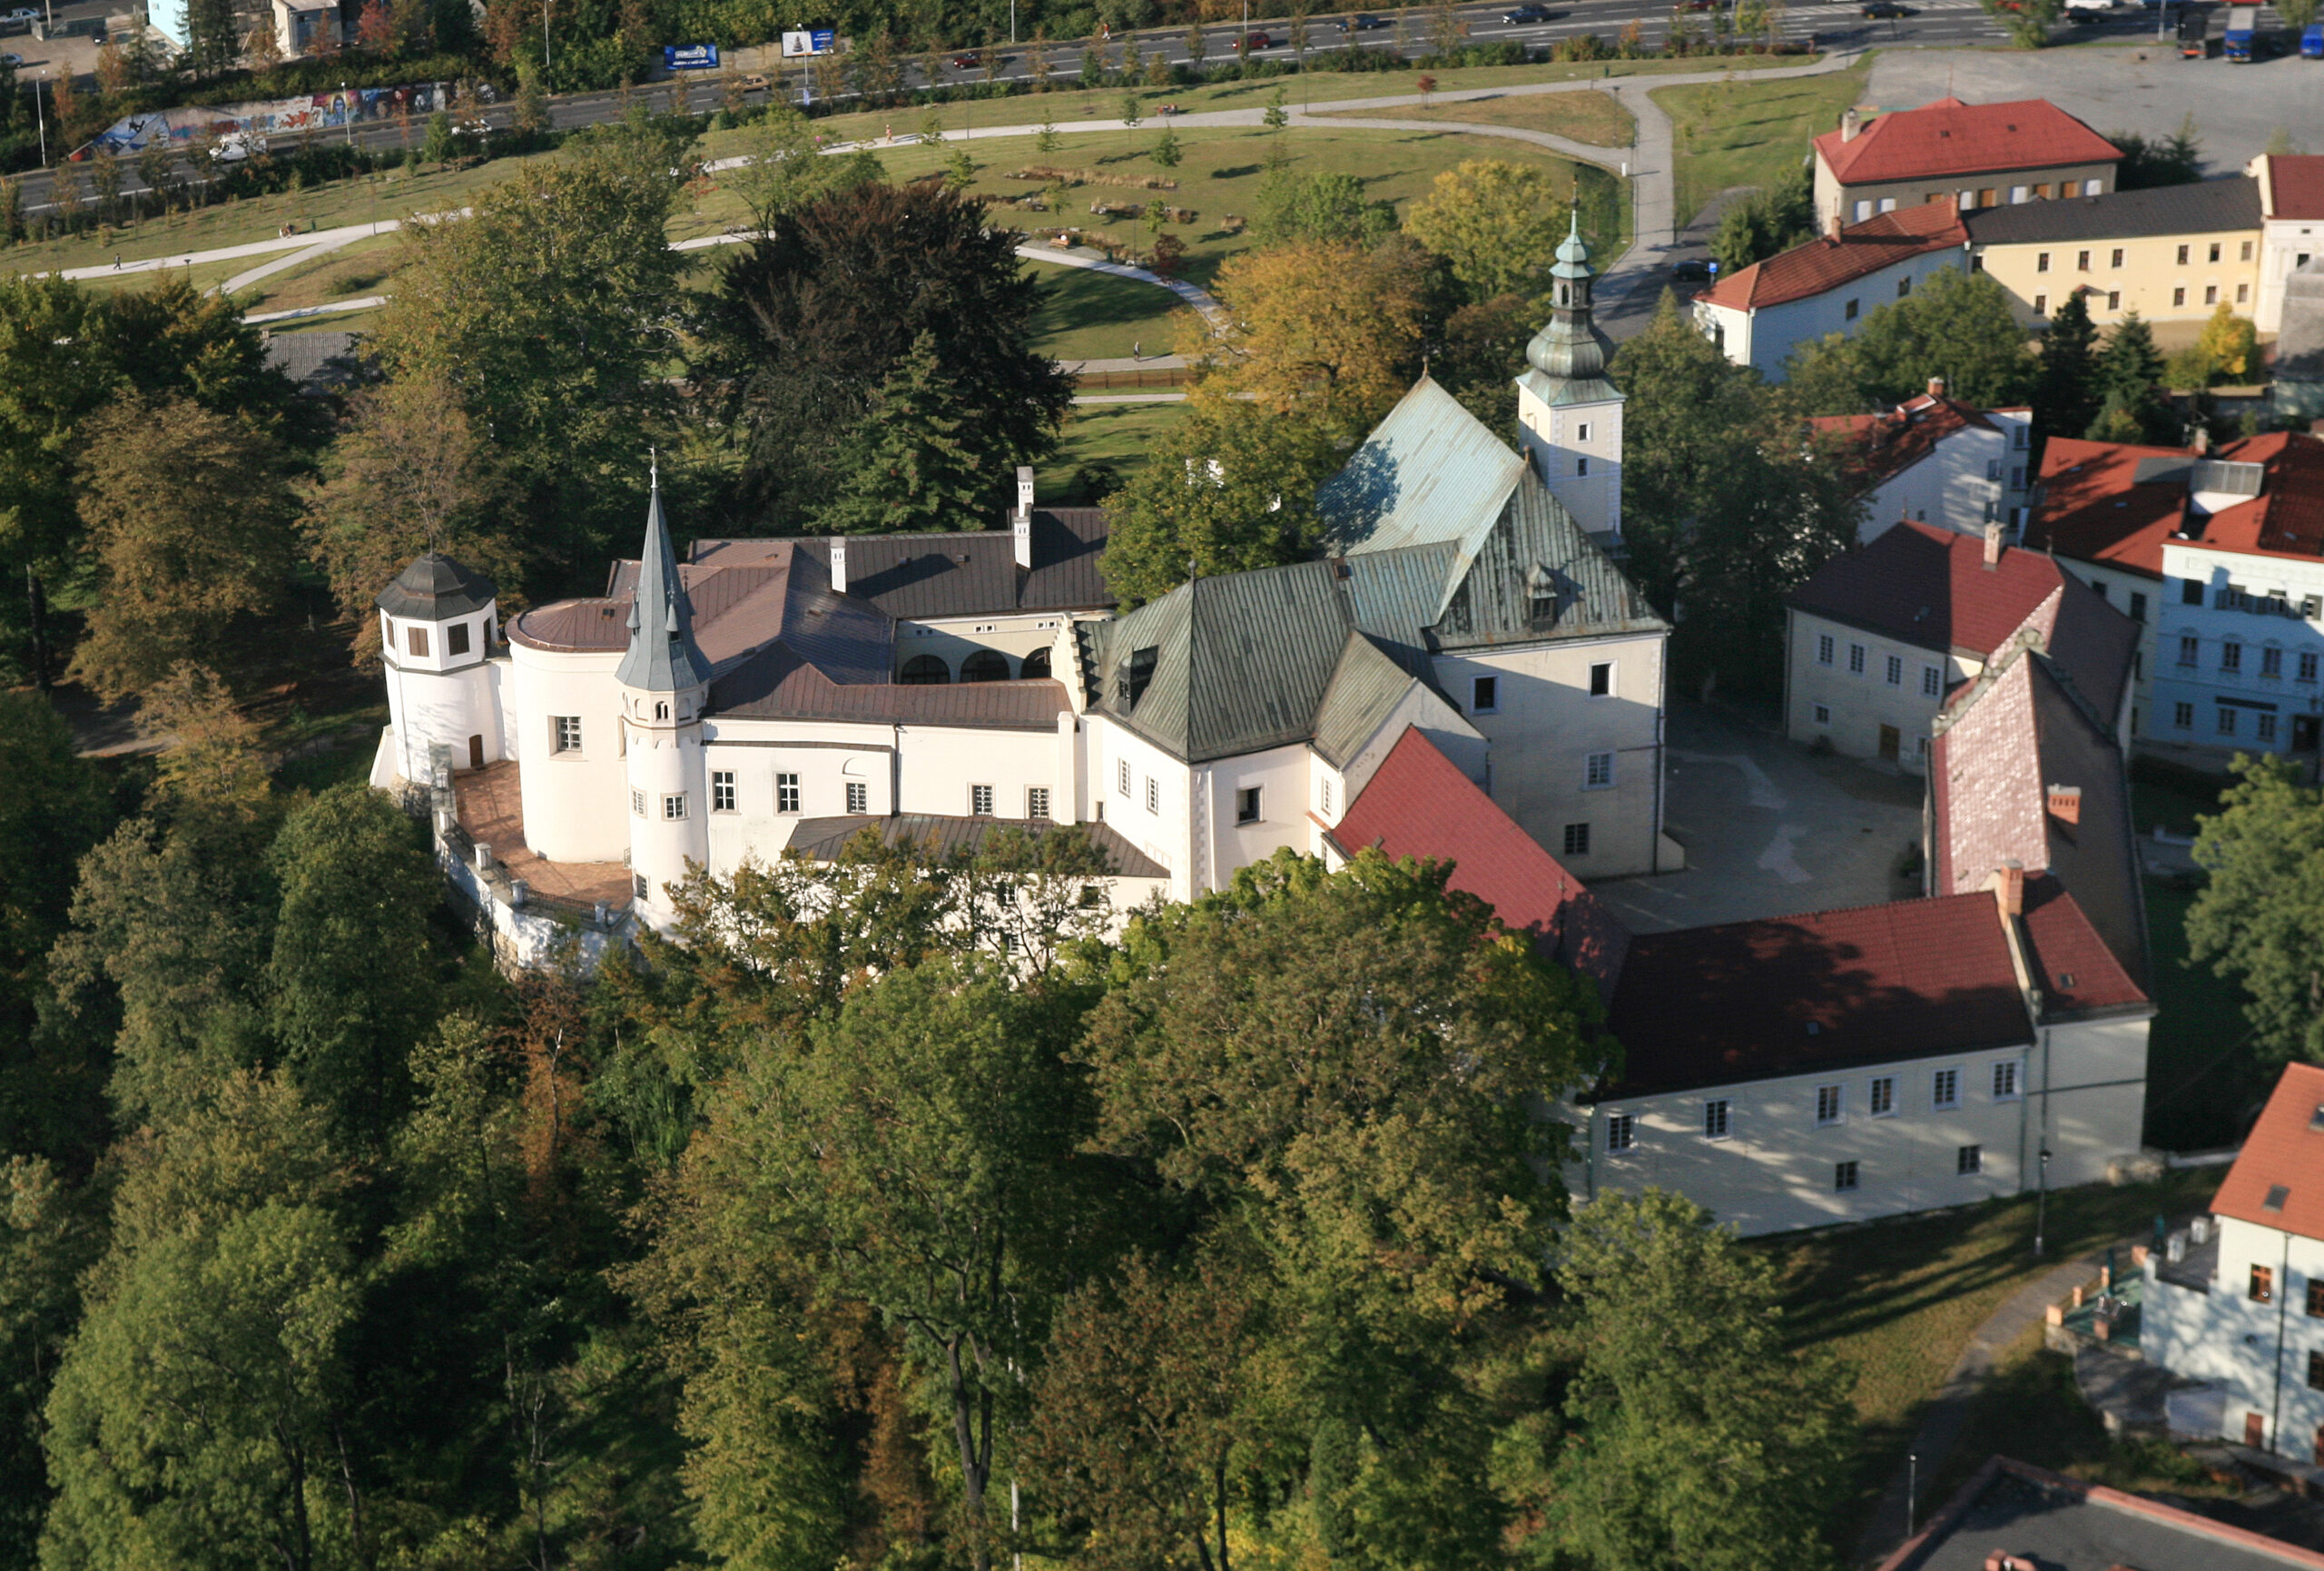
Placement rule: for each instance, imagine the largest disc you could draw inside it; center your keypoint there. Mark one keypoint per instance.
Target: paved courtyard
(1769, 829)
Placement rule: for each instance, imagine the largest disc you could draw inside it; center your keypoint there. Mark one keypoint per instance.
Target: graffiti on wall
(275, 117)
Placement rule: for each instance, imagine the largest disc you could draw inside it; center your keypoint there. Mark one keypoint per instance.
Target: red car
(1259, 41)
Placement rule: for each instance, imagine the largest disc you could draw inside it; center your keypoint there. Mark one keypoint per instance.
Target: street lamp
(1912, 1488)
(2042, 1205)
(347, 106)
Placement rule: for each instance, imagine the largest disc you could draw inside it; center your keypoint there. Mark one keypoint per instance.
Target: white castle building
(752, 696)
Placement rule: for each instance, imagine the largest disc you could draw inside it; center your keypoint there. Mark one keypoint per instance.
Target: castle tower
(664, 681)
(1569, 416)
(437, 623)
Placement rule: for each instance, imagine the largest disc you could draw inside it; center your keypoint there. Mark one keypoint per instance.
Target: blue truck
(2242, 26)
(2311, 41)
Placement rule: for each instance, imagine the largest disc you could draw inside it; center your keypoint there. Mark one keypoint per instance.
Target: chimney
(1022, 522)
(1832, 229)
(1851, 125)
(2065, 804)
(1936, 387)
(2202, 441)
(839, 564)
(1992, 545)
(2008, 884)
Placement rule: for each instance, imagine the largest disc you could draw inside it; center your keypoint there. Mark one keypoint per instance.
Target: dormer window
(1138, 673)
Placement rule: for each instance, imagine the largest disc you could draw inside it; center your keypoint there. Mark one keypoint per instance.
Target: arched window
(926, 671)
(1036, 664)
(661, 711)
(985, 665)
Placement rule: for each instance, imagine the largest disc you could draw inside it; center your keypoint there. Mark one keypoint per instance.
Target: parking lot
(1770, 830)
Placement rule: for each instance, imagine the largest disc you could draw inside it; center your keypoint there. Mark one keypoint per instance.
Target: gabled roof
(1430, 473)
(1949, 138)
(945, 834)
(2285, 1150)
(1418, 804)
(435, 588)
(2097, 506)
(916, 576)
(1831, 261)
(1829, 989)
(2295, 184)
(2007, 738)
(1885, 445)
(2286, 519)
(2200, 207)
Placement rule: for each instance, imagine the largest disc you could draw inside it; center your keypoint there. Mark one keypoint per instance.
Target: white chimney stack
(839, 564)
(1851, 124)
(1020, 523)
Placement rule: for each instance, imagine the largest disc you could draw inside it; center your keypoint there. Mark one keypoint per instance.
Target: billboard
(689, 56)
(820, 41)
(318, 111)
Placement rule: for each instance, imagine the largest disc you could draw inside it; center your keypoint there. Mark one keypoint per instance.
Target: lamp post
(346, 103)
(2042, 1206)
(1912, 1488)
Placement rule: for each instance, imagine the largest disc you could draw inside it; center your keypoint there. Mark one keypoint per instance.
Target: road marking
(1778, 857)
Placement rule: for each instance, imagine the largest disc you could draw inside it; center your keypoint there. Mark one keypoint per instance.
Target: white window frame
(1932, 681)
(1846, 1177)
(1855, 660)
(1719, 1117)
(1621, 1131)
(1153, 795)
(787, 796)
(859, 796)
(1567, 840)
(1880, 1099)
(1121, 781)
(2008, 1081)
(1826, 649)
(1037, 801)
(1944, 1090)
(564, 733)
(1256, 795)
(1969, 1161)
(673, 807)
(637, 801)
(1831, 1105)
(1598, 772)
(1823, 713)
(1894, 671)
(722, 790)
(982, 802)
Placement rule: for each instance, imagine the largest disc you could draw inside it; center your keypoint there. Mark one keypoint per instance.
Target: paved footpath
(1948, 1410)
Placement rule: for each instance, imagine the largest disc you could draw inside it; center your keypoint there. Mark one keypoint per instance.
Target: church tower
(665, 682)
(1569, 416)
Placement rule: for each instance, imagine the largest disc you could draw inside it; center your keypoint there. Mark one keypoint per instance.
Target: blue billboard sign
(689, 56)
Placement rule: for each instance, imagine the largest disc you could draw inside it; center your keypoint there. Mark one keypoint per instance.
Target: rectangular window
(415, 639)
(2316, 1298)
(2182, 715)
(1969, 1158)
(2179, 296)
(2042, 261)
(2116, 260)
(1824, 646)
(2211, 294)
(2081, 261)
(2226, 727)
(1598, 772)
(2018, 193)
(1844, 1176)
(1037, 801)
(1992, 470)
(567, 729)
(1582, 467)
(456, 638)
(1581, 431)
(675, 806)
(2214, 251)
(1715, 1119)
(1828, 1105)
(1881, 1100)
(2190, 592)
(2018, 477)
(2114, 300)
(2005, 1080)
(859, 796)
(980, 801)
(2316, 1371)
(1823, 713)
(2138, 607)
(1246, 805)
(2271, 663)
(1326, 784)
(786, 792)
(2243, 293)
(637, 802)
(1944, 1090)
(2093, 187)
(1621, 1131)
(2191, 648)
(1849, 314)
(2182, 256)
(2244, 254)
(1153, 794)
(721, 791)
(1896, 670)
(1932, 681)
(1601, 679)
(1855, 660)
(2263, 1284)
(1862, 210)
(2266, 725)
(2306, 667)
(1577, 840)
(1122, 777)
(1484, 695)
(2040, 305)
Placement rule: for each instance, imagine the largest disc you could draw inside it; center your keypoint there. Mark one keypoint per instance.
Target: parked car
(1695, 271)
(1885, 10)
(11, 61)
(20, 13)
(1362, 22)
(1525, 15)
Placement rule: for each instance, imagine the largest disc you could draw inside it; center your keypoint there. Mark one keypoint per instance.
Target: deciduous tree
(1497, 225)
(1328, 332)
(2259, 920)
(1319, 207)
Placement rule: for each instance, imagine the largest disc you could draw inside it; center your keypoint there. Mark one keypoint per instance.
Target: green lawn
(1098, 316)
(1116, 437)
(1898, 1300)
(1596, 118)
(1732, 133)
(2203, 1081)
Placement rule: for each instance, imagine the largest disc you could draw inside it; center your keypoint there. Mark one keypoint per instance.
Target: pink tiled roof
(2095, 510)
(1419, 804)
(1950, 138)
(2284, 1150)
(2287, 517)
(1830, 261)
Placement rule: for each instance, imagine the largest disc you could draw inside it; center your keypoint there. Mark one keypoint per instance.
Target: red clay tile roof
(2287, 517)
(2285, 1149)
(1834, 989)
(2076, 973)
(2093, 509)
(1828, 261)
(1419, 804)
(1949, 137)
(1890, 443)
(2296, 185)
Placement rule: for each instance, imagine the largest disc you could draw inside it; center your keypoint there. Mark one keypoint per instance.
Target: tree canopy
(2256, 919)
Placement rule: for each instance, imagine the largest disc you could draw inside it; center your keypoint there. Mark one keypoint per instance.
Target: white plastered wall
(1857, 704)
(576, 801)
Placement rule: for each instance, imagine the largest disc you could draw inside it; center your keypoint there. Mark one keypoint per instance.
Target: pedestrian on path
(1137, 349)
(116, 261)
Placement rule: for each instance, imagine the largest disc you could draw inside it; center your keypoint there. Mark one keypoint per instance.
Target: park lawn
(365, 267)
(204, 278)
(1596, 118)
(1731, 133)
(1897, 1300)
(1100, 316)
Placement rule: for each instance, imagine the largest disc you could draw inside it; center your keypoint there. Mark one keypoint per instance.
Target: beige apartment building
(1970, 156)
(2171, 254)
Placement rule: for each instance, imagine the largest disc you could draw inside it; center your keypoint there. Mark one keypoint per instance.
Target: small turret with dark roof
(436, 588)
(662, 657)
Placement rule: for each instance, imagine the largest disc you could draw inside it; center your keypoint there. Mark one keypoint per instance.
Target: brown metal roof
(596, 627)
(913, 577)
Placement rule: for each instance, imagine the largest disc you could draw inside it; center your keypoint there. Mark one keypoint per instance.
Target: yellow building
(2171, 254)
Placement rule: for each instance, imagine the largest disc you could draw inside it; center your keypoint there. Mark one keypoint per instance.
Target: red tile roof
(1887, 444)
(2093, 509)
(2287, 517)
(1830, 261)
(1793, 994)
(2285, 1149)
(2076, 973)
(2296, 185)
(1949, 138)
(1419, 804)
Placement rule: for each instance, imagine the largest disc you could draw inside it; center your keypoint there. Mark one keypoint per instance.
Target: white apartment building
(1832, 284)
(2291, 226)
(1933, 460)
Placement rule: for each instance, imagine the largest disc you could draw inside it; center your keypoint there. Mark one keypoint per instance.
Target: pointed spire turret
(1569, 348)
(662, 656)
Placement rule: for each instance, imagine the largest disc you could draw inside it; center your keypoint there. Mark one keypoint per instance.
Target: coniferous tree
(2130, 378)
(2066, 395)
(910, 465)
